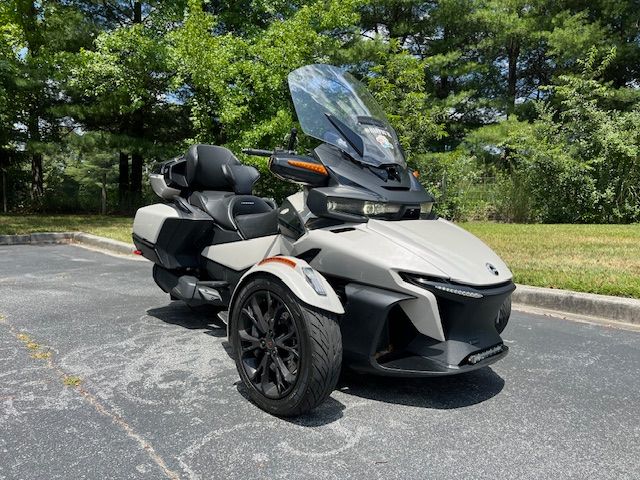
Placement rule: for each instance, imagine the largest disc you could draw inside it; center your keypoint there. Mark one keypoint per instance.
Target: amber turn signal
(286, 261)
(314, 167)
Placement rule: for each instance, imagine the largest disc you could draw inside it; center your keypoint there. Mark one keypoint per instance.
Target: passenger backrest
(242, 177)
(204, 167)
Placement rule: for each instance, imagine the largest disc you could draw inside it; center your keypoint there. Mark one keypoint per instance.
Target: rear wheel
(288, 354)
(503, 315)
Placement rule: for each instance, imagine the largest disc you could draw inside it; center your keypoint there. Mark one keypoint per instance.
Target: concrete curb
(619, 309)
(69, 237)
(115, 246)
(37, 238)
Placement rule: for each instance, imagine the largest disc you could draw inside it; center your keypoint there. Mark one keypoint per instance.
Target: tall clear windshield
(335, 108)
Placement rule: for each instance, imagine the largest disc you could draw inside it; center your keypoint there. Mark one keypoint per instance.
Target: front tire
(288, 354)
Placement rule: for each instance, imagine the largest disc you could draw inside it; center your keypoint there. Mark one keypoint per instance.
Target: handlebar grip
(257, 152)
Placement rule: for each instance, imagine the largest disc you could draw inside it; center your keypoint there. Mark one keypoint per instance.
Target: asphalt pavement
(158, 394)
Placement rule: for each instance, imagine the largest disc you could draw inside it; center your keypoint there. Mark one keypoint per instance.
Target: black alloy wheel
(288, 354)
(270, 349)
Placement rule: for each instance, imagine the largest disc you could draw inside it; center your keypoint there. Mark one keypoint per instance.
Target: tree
(40, 30)
(95, 170)
(235, 84)
(8, 112)
(473, 87)
(123, 87)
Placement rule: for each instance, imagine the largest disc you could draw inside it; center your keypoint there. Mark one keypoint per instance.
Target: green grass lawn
(118, 228)
(588, 258)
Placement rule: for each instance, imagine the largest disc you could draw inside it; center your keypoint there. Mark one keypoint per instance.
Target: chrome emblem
(492, 269)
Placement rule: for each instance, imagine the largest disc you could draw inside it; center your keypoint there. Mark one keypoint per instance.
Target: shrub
(455, 180)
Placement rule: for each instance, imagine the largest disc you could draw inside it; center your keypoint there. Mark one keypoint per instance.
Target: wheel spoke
(264, 379)
(282, 368)
(291, 350)
(279, 381)
(261, 323)
(255, 321)
(245, 336)
(283, 338)
(270, 313)
(260, 369)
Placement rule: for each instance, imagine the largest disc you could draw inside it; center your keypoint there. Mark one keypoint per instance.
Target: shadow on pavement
(441, 393)
(327, 413)
(178, 313)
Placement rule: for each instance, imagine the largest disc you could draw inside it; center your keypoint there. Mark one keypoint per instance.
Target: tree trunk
(103, 195)
(444, 86)
(123, 182)
(513, 53)
(137, 12)
(4, 186)
(136, 179)
(36, 157)
(37, 188)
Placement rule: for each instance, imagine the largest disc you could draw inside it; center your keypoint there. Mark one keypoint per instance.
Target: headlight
(362, 208)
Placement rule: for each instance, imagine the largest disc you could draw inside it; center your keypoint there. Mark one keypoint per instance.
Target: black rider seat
(226, 186)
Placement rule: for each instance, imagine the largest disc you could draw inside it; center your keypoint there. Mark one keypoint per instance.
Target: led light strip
(455, 291)
(478, 357)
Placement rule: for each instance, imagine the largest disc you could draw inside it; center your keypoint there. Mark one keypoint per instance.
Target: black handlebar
(257, 152)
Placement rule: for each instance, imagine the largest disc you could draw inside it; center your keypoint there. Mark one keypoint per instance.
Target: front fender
(290, 271)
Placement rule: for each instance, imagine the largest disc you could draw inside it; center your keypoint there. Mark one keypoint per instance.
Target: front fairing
(378, 251)
(457, 254)
(361, 152)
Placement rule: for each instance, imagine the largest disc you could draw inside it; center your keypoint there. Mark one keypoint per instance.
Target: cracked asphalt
(159, 394)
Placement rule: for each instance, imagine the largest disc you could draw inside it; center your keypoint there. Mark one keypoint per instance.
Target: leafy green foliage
(242, 78)
(578, 161)
(400, 85)
(451, 178)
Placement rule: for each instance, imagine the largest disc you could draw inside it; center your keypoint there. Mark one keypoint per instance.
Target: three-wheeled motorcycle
(354, 270)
